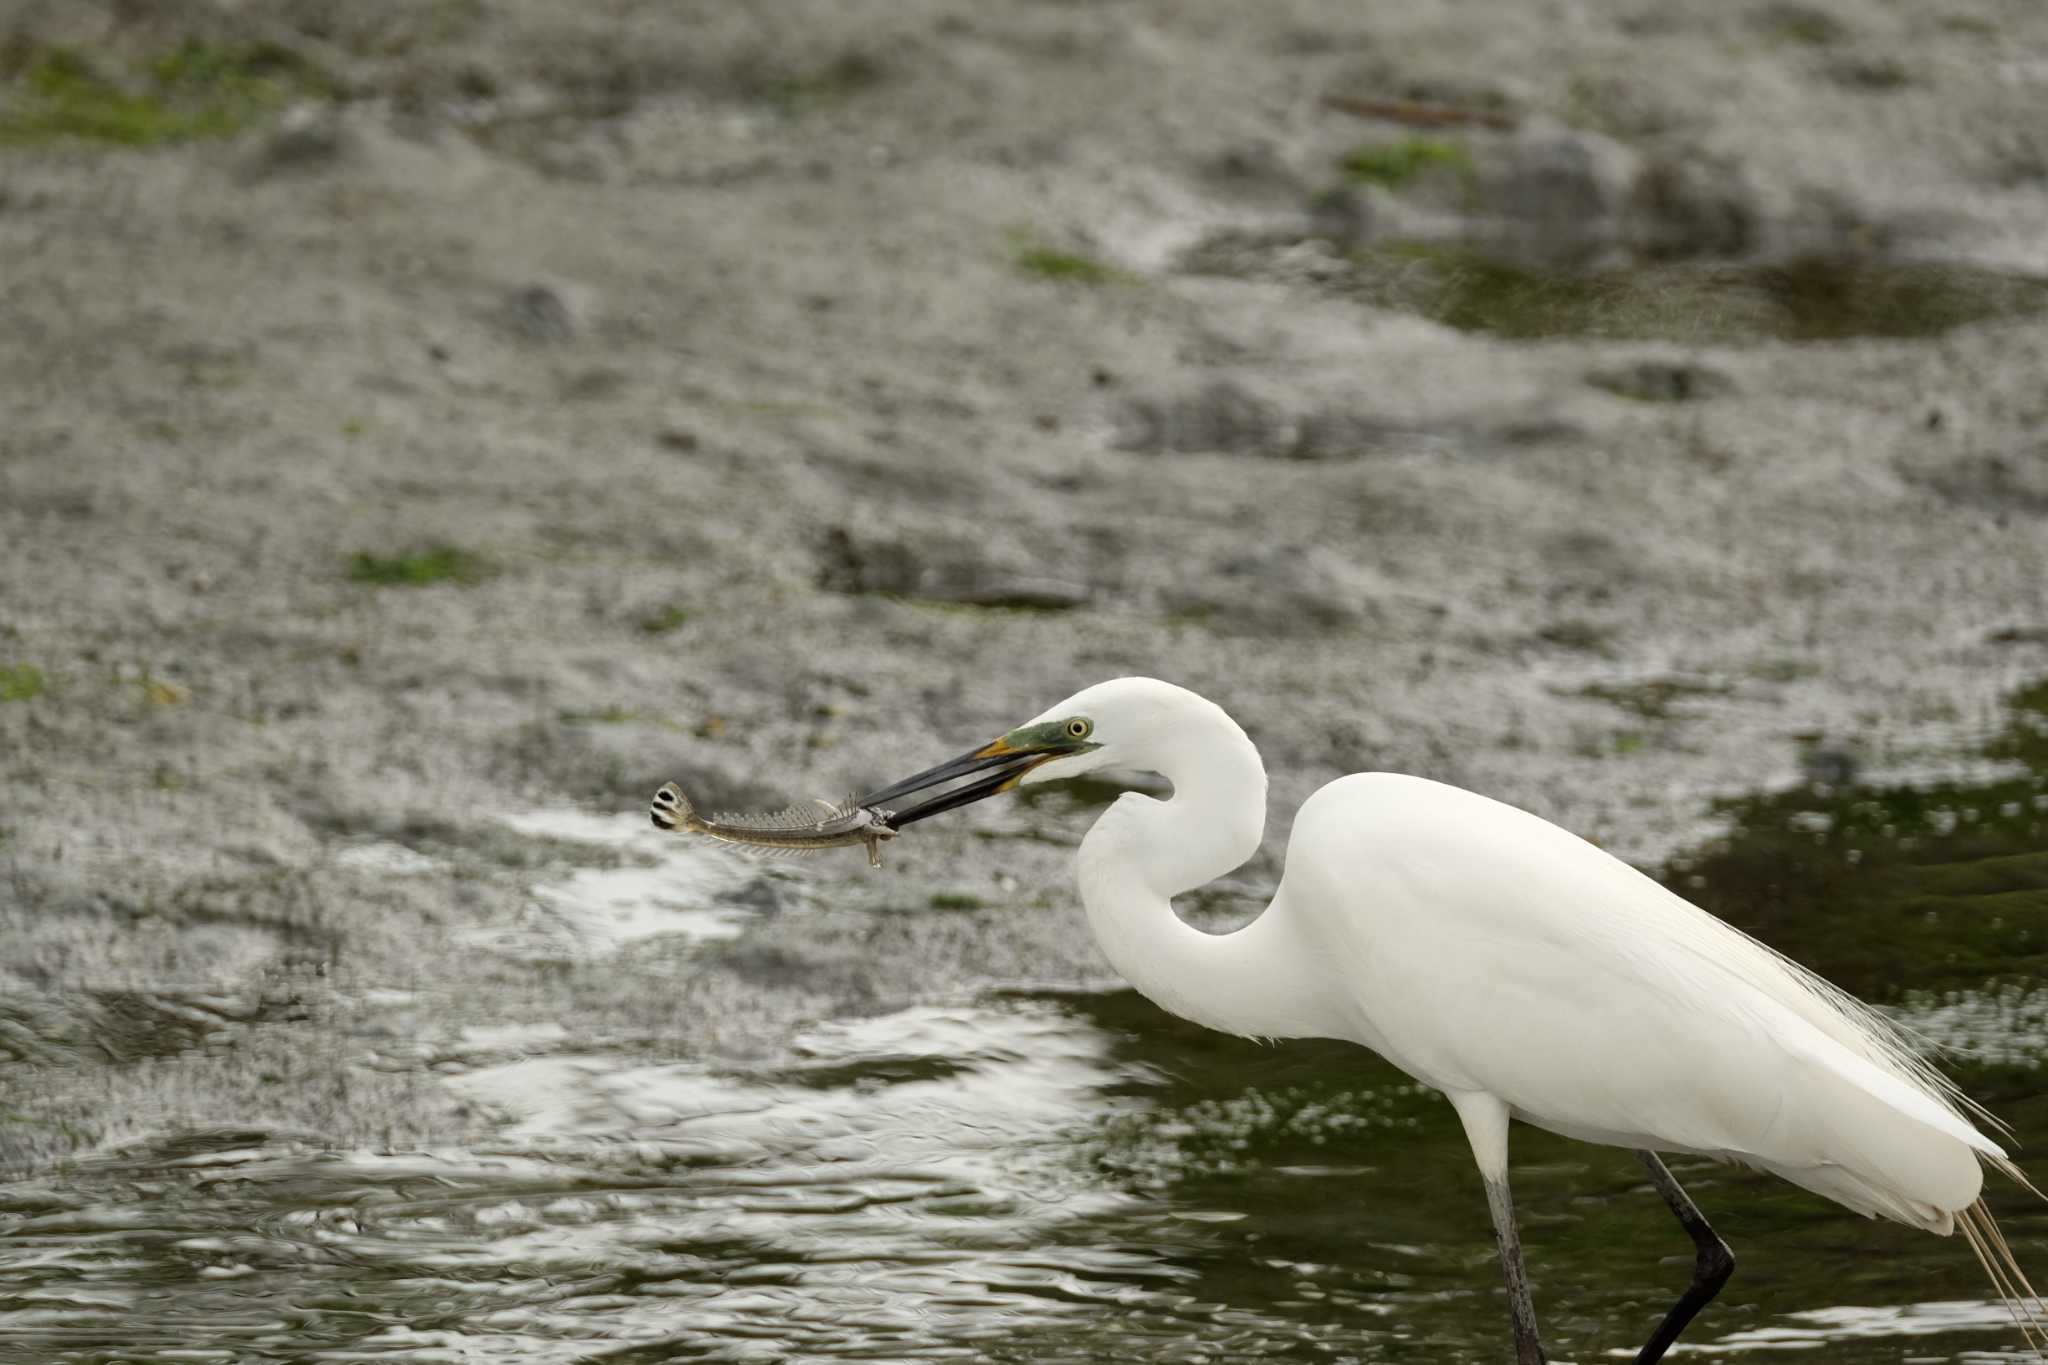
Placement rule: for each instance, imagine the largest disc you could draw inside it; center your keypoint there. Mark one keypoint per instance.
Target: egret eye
(1077, 728)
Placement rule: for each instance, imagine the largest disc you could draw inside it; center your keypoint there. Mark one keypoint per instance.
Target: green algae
(1886, 889)
(1039, 259)
(195, 91)
(21, 682)
(1813, 298)
(663, 619)
(1065, 267)
(418, 568)
(1652, 698)
(811, 89)
(1393, 165)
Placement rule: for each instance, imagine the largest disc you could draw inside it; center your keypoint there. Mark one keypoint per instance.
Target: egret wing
(1486, 949)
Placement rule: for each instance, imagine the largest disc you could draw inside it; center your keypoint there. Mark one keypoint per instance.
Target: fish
(802, 828)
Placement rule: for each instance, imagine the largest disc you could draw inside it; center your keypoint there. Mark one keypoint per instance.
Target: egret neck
(1142, 852)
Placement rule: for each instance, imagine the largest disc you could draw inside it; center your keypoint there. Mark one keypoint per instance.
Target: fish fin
(756, 851)
(671, 809)
(797, 815)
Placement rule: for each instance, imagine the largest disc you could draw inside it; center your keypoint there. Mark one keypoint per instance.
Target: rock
(1831, 222)
(1223, 417)
(760, 893)
(1343, 214)
(539, 313)
(1692, 205)
(1309, 256)
(308, 139)
(2013, 482)
(1335, 434)
(592, 383)
(1536, 428)
(864, 565)
(1255, 170)
(1663, 381)
(942, 568)
(1805, 25)
(1827, 765)
(1285, 590)
(1869, 72)
(1558, 195)
(1024, 593)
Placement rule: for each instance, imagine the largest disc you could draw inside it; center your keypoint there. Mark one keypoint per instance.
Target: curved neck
(1142, 852)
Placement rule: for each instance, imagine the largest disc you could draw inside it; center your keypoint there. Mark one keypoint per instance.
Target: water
(1063, 1176)
(1017, 1177)
(671, 886)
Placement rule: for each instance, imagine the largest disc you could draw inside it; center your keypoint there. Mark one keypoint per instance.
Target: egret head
(1115, 724)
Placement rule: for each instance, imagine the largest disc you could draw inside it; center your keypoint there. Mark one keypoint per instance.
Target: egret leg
(1486, 1128)
(1712, 1265)
(1521, 1308)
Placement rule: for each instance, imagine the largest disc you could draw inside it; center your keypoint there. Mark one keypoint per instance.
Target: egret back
(1485, 949)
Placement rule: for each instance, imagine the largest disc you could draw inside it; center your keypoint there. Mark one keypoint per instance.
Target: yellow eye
(1077, 728)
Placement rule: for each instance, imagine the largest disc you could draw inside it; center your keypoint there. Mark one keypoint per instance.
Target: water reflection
(1804, 1331)
(659, 885)
(900, 1194)
(1032, 1177)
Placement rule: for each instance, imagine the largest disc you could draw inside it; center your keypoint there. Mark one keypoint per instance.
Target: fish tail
(671, 809)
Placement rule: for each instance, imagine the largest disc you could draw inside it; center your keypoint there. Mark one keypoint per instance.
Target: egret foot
(1712, 1266)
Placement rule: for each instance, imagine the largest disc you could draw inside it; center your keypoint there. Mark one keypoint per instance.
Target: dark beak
(995, 769)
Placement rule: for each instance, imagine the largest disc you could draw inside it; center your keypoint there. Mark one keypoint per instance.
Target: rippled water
(1025, 1177)
(1042, 1176)
(671, 886)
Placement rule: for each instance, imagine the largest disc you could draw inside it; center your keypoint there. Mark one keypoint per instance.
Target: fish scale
(803, 827)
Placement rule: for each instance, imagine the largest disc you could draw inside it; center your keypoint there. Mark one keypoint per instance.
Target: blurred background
(427, 425)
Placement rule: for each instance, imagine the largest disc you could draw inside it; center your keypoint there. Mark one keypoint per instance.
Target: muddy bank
(429, 428)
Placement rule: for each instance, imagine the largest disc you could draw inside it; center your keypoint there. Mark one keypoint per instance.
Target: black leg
(1528, 1347)
(1712, 1265)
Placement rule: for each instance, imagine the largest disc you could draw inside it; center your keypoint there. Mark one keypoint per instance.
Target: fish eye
(1077, 728)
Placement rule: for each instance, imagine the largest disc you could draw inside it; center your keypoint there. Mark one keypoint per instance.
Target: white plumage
(1515, 967)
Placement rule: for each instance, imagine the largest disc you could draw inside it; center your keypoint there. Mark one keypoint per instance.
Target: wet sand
(520, 407)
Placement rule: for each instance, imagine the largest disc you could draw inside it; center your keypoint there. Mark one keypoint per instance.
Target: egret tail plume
(1994, 1253)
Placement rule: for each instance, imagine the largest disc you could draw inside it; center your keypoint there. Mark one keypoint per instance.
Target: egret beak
(1001, 767)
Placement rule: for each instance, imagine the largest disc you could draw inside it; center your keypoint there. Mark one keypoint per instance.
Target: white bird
(1509, 964)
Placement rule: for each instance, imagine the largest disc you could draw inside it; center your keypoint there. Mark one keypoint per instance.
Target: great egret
(1513, 966)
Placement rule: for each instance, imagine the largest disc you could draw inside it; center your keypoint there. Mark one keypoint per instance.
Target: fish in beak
(994, 769)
